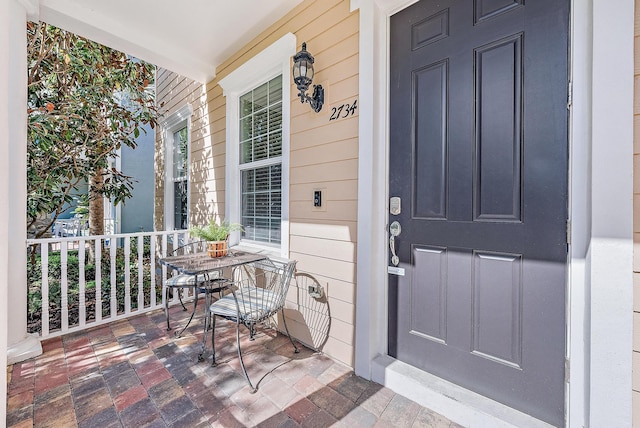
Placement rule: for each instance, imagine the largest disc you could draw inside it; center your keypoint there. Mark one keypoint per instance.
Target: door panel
(498, 92)
(497, 307)
(429, 301)
(478, 156)
(429, 87)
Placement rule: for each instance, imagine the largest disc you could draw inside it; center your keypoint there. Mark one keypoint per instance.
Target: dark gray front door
(478, 156)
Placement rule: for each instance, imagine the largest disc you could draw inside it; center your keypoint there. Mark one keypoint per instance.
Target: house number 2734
(344, 111)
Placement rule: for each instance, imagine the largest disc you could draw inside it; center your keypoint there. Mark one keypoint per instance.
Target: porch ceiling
(191, 38)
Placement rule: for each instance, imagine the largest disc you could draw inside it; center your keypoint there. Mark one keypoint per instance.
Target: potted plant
(216, 235)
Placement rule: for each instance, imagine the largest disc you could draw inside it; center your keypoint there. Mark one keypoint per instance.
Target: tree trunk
(96, 204)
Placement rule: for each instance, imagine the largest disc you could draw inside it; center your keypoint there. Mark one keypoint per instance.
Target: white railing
(80, 282)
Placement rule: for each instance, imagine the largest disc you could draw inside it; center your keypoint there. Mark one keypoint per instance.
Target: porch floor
(133, 373)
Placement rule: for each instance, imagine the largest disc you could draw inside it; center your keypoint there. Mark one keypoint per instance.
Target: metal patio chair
(179, 283)
(257, 292)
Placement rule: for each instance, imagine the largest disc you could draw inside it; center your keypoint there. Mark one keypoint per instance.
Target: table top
(197, 263)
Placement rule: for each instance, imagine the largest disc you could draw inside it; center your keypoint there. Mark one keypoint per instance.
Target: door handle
(394, 230)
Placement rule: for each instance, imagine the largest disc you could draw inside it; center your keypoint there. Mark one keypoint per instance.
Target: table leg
(195, 306)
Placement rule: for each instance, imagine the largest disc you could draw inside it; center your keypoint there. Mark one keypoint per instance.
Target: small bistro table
(201, 264)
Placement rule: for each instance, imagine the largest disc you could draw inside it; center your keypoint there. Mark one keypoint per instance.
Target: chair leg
(166, 306)
(179, 291)
(167, 291)
(209, 324)
(213, 344)
(284, 321)
(244, 369)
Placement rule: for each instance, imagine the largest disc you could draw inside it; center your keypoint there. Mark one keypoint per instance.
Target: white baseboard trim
(28, 347)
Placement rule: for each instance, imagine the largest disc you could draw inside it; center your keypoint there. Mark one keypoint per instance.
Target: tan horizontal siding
(323, 156)
(174, 91)
(335, 211)
(345, 190)
(334, 151)
(339, 170)
(336, 250)
(341, 130)
(322, 262)
(167, 80)
(301, 16)
(326, 38)
(339, 290)
(323, 228)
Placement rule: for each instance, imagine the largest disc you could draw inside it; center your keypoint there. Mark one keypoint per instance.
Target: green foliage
(85, 101)
(82, 205)
(214, 231)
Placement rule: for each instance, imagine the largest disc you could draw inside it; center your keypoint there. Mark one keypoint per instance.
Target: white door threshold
(460, 405)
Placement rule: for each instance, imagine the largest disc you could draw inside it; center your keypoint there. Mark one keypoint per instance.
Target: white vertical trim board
(611, 215)
(177, 120)
(21, 345)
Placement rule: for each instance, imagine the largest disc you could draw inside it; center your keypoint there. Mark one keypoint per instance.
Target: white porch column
(13, 179)
(4, 212)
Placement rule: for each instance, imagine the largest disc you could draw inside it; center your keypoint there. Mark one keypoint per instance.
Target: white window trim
(170, 125)
(271, 62)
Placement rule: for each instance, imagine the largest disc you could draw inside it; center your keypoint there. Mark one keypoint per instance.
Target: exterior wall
(172, 92)
(323, 156)
(137, 213)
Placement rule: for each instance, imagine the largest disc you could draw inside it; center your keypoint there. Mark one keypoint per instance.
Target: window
(176, 194)
(179, 178)
(260, 152)
(257, 152)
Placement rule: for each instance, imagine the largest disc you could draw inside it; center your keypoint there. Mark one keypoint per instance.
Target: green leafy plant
(214, 231)
(82, 206)
(85, 101)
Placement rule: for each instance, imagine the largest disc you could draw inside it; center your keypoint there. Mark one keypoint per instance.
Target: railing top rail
(94, 237)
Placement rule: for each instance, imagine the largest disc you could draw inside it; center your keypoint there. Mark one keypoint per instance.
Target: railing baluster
(64, 286)
(164, 268)
(140, 273)
(127, 275)
(114, 292)
(176, 244)
(98, 253)
(82, 306)
(152, 268)
(44, 260)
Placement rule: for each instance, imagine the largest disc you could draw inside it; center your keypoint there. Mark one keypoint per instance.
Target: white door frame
(599, 284)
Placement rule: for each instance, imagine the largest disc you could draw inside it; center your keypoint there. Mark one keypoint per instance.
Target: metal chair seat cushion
(184, 280)
(254, 304)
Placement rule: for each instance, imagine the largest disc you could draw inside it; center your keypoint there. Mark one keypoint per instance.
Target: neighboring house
(499, 134)
(136, 213)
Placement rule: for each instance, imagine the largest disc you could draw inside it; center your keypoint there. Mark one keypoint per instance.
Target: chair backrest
(190, 248)
(262, 288)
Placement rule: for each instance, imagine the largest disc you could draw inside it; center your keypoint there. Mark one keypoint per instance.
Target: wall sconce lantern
(303, 77)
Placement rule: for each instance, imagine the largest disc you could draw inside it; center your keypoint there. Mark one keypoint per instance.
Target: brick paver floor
(133, 373)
